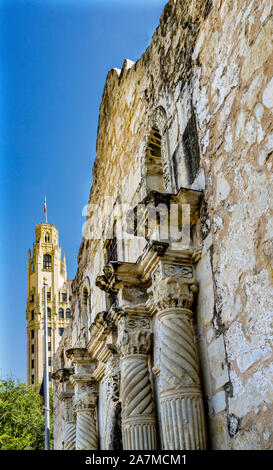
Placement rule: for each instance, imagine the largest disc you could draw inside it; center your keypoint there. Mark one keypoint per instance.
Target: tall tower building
(45, 262)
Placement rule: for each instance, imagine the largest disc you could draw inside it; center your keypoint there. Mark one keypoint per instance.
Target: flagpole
(46, 389)
(45, 209)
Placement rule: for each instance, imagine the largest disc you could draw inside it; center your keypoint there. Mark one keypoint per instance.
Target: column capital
(85, 401)
(62, 375)
(134, 335)
(173, 286)
(78, 355)
(84, 366)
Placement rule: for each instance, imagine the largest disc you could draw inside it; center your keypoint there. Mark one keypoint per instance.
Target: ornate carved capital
(134, 335)
(68, 410)
(85, 401)
(173, 286)
(62, 375)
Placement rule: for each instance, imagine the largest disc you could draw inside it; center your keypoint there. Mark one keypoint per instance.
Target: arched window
(84, 309)
(68, 313)
(48, 312)
(153, 161)
(47, 262)
(61, 313)
(85, 297)
(47, 239)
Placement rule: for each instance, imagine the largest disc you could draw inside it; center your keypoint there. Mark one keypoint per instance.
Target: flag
(45, 207)
(42, 391)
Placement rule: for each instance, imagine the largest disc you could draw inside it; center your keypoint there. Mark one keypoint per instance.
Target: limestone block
(223, 188)
(259, 52)
(217, 360)
(268, 94)
(219, 432)
(205, 300)
(217, 402)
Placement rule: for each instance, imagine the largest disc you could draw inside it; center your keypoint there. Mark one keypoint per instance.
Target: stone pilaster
(84, 400)
(181, 403)
(69, 440)
(86, 425)
(68, 415)
(138, 411)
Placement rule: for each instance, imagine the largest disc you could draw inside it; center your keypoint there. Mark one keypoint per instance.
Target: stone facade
(170, 343)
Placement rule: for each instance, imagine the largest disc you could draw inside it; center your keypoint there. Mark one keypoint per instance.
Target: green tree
(21, 416)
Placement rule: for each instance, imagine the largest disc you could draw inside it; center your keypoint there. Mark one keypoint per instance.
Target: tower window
(49, 331)
(49, 376)
(68, 313)
(32, 379)
(32, 334)
(32, 314)
(61, 313)
(64, 297)
(48, 295)
(32, 349)
(48, 313)
(32, 364)
(47, 239)
(31, 298)
(49, 346)
(49, 361)
(61, 331)
(47, 262)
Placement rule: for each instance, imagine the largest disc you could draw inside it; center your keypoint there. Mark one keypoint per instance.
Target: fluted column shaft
(138, 412)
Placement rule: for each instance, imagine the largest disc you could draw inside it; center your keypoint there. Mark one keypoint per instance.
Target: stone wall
(206, 82)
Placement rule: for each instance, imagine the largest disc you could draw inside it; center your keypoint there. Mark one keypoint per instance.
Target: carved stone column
(69, 440)
(84, 400)
(86, 424)
(138, 413)
(68, 416)
(181, 403)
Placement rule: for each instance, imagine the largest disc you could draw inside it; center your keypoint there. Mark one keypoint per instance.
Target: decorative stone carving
(173, 292)
(138, 413)
(68, 416)
(86, 427)
(69, 440)
(134, 336)
(181, 404)
(111, 408)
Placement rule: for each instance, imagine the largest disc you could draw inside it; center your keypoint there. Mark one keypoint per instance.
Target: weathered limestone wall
(206, 80)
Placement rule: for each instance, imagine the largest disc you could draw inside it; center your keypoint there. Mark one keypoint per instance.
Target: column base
(183, 421)
(139, 433)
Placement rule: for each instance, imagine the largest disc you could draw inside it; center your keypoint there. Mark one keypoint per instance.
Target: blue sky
(54, 58)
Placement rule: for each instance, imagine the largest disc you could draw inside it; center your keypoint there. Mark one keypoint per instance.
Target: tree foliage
(21, 416)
